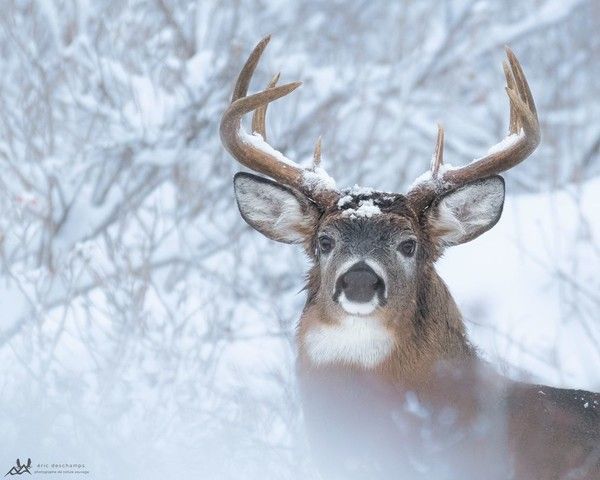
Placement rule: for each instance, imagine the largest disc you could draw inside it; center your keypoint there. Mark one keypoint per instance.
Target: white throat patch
(355, 340)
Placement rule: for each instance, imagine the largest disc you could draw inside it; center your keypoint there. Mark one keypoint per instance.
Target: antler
(438, 157)
(523, 138)
(251, 150)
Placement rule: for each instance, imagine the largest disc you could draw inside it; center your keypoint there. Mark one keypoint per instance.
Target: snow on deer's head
(373, 252)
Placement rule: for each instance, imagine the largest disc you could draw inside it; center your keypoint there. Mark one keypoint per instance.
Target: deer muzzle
(358, 287)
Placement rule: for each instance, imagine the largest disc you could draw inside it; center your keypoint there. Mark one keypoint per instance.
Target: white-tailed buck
(391, 386)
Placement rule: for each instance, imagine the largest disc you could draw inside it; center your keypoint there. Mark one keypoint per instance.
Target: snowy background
(145, 330)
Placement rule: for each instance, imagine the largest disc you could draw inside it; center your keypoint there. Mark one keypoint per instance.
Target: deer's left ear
(465, 213)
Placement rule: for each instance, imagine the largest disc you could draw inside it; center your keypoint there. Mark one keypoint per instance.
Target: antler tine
(523, 139)
(524, 130)
(259, 117)
(317, 154)
(513, 125)
(438, 157)
(523, 86)
(243, 81)
(253, 152)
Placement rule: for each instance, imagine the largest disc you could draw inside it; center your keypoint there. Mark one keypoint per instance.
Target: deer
(390, 384)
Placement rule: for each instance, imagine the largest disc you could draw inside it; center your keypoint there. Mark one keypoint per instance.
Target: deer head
(373, 290)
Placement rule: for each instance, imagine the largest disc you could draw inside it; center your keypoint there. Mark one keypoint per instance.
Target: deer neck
(402, 348)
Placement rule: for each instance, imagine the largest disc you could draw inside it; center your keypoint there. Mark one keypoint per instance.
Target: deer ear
(274, 210)
(463, 214)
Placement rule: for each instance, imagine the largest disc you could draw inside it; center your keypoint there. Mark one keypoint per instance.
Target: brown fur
(424, 406)
(431, 331)
(533, 436)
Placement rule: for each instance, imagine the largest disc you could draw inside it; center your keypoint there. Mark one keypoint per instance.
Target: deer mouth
(360, 290)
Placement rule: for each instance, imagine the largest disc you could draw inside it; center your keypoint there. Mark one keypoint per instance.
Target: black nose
(360, 283)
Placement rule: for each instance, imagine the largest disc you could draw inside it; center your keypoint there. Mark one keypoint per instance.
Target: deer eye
(407, 247)
(326, 244)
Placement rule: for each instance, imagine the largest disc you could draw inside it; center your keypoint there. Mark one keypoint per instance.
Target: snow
(14, 306)
(426, 177)
(345, 200)
(507, 142)
(356, 191)
(366, 209)
(145, 330)
(413, 406)
(366, 206)
(256, 140)
(317, 178)
(510, 284)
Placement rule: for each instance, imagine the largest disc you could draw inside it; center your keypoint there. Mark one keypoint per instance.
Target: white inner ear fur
(273, 211)
(469, 211)
(361, 341)
(289, 218)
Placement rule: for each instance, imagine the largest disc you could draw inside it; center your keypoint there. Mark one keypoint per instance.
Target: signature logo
(20, 469)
